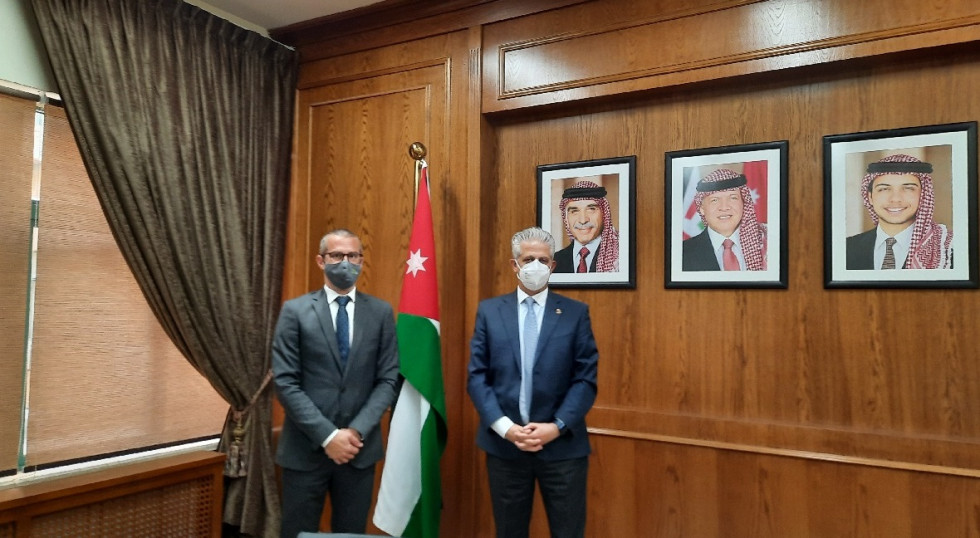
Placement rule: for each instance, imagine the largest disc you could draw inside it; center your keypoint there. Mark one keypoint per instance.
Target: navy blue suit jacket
(564, 379)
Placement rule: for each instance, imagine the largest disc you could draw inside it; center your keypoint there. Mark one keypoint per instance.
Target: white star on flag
(416, 263)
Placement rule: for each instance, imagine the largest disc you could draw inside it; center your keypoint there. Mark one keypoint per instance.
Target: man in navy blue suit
(532, 378)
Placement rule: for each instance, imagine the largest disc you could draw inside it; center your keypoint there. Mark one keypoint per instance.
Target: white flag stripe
(691, 226)
(400, 491)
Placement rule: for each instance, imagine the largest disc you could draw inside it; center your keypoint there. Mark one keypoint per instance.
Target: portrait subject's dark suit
(697, 254)
(861, 250)
(318, 395)
(566, 261)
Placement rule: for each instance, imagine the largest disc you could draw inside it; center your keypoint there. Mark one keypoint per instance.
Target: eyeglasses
(353, 257)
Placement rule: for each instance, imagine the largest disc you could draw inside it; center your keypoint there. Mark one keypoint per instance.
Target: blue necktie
(343, 329)
(527, 362)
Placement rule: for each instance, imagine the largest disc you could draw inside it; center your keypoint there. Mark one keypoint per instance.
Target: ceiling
(269, 14)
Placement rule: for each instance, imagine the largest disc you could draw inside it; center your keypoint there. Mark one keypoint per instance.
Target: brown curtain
(184, 122)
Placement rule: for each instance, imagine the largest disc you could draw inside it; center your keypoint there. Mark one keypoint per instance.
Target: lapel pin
(558, 311)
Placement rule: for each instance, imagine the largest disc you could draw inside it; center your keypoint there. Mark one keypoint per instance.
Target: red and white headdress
(751, 234)
(931, 244)
(608, 255)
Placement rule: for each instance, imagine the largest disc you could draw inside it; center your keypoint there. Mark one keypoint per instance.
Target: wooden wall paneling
(392, 22)
(479, 254)
(660, 489)
(356, 117)
(348, 186)
(720, 412)
(566, 55)
(943, 506)
(806, 367)
(352, 74)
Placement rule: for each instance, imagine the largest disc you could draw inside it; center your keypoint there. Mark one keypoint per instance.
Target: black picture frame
(852, 212)
(617, 178)
(691, 257)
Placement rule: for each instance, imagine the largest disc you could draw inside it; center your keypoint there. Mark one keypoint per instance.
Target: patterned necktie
(889, 261)
(728, 255)
(527, 362)
(582, 268)
(343, 329)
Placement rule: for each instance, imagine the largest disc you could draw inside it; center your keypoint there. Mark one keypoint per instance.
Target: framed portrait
(588, 206)
(900, 208)
(726, 217)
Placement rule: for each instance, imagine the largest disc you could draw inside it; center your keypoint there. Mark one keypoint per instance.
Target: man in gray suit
(335, 362)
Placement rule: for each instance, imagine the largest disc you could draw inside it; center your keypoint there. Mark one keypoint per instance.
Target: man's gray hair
(531, 234)
(339, 232)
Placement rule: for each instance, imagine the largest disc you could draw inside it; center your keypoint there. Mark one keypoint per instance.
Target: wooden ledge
(124, 475)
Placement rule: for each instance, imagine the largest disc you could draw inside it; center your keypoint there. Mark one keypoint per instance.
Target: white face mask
(534, 275)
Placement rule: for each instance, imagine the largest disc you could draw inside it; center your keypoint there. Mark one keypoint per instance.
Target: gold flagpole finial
(417, 150)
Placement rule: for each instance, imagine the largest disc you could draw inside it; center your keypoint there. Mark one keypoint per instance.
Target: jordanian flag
(410, 498)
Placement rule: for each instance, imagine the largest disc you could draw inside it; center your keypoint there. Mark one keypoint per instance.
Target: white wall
(203, 4)
(22, 56)
(23, 59)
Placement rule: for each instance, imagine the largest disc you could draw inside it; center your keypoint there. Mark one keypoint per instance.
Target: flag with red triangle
(410, 498)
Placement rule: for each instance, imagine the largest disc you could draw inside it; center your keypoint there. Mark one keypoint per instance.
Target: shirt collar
(903, 238)
(332, 295)
(540, 297)
(717, 238)
(591, 245)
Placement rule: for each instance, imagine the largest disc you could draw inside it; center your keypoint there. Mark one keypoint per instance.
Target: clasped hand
(344, 446)
(533, 436)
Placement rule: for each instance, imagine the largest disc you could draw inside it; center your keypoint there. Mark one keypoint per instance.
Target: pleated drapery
(184, 122)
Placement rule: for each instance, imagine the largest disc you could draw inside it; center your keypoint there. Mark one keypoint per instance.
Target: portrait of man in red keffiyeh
(588, 221)
(733, 239)
(898, 194)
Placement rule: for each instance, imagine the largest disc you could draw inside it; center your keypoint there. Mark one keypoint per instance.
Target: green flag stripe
(420, 358)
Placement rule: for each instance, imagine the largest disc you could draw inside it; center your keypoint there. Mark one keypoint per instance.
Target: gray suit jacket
(317, 395)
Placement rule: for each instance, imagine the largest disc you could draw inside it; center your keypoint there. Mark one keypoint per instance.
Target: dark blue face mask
(343, 274)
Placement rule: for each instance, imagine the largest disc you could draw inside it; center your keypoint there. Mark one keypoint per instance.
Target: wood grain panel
(356, 117)
(799, 412)
(838, 371)
(180, 494)
(665, 490)
(566, 55)
(391, 22)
